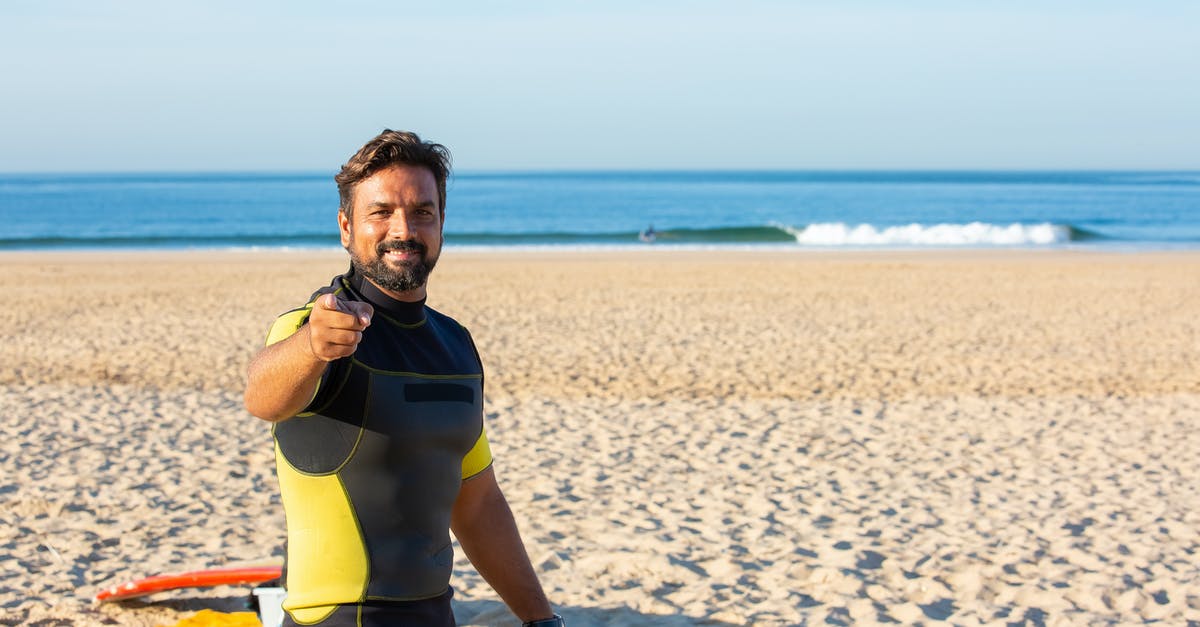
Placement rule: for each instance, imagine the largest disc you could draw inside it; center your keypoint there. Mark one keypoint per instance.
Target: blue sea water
(792, 210)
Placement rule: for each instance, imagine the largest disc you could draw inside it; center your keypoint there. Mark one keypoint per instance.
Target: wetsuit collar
(403, 312)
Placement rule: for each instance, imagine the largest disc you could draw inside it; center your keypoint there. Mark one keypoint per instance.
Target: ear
(344, 228)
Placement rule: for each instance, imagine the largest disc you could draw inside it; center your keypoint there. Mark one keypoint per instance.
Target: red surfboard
(193, 579)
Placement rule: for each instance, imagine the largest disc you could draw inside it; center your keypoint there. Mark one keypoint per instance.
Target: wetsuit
(371, 468)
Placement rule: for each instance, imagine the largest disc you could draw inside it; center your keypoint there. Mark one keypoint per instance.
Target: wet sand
(687, 438)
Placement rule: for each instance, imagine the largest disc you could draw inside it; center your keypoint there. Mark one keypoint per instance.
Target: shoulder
(439, 320)
(288, 323)
(292, 320)
(447, 327)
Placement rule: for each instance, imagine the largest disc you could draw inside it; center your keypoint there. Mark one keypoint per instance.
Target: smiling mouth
(401, 255)
(400, 249)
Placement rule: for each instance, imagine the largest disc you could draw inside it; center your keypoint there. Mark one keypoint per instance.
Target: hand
(335, 326)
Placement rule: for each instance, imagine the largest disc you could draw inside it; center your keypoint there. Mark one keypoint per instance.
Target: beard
(409, 276)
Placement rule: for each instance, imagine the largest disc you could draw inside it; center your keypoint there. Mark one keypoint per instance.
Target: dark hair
(387, 149)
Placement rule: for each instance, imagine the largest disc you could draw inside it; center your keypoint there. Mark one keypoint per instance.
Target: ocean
(810, 210)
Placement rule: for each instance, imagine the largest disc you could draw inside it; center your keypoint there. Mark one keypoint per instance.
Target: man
(377, 402)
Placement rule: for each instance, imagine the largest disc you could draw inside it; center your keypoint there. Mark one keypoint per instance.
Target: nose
(398, 227)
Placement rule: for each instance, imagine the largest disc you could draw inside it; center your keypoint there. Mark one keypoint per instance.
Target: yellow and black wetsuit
(370, 470)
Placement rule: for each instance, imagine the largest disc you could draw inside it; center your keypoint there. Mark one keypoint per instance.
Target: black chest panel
(422, 383)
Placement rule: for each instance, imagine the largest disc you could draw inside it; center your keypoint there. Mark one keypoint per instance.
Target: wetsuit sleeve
(479, 458)
(286, 326)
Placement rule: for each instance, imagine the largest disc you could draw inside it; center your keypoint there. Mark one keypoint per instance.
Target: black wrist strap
(553, 621)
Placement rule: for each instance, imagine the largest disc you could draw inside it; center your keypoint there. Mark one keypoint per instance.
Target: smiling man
(377, 401)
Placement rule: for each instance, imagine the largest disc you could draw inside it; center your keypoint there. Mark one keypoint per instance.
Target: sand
(687, 438)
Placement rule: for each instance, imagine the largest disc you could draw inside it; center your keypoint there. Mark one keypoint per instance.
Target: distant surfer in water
(648, 235)
(377, 401)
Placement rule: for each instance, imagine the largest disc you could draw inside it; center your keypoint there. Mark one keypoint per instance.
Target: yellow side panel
(287, 324)
(327, 558)
(478, 458)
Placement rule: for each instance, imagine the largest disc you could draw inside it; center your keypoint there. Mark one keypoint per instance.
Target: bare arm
(484, 526)
(283, 377)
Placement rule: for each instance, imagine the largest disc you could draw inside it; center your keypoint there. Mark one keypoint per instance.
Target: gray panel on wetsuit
(320, 443)
(404, 478)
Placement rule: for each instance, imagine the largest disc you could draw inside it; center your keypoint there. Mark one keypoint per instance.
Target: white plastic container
(270, 605)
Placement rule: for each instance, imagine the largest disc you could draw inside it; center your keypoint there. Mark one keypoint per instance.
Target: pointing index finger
(361, 311)
(364, 311)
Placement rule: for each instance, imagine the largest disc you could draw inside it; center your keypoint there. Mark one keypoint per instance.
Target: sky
(145, 85)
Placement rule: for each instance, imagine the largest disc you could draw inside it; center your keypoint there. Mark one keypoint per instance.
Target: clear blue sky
(217, 85)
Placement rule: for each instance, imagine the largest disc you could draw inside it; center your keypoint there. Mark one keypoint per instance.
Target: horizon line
(604, 170)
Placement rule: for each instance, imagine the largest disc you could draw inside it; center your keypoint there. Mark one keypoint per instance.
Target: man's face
(394, 236)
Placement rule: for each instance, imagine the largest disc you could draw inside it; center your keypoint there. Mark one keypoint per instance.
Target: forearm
(490, 539)
(282, 378)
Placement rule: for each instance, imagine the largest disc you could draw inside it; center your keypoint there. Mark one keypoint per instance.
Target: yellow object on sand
(210, 618)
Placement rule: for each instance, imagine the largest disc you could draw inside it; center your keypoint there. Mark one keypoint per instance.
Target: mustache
(407, 246)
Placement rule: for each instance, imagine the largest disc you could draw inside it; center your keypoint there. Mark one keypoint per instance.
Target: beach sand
(686, 438)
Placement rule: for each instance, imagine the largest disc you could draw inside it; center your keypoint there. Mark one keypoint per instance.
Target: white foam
(973, 234)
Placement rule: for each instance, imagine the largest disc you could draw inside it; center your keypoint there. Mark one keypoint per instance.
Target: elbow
(258, 398)
(275, 391)
(252, 406)
(259, 408)
(269, 417)
(265, 414)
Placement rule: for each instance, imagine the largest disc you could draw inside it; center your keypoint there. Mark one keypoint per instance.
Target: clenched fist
(335, 326)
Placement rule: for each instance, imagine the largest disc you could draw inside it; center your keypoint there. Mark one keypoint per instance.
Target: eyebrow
(389, 205)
